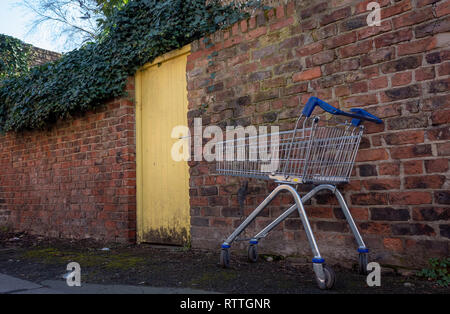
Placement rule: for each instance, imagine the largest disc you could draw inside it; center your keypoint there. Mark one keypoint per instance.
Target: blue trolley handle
(357, 114)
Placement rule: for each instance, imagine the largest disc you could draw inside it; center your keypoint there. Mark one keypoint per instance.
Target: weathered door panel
(163, 184)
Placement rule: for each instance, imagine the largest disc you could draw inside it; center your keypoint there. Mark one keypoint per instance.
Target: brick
(422, 3)
(378, 83)
(442, 8)
(336, 16)
(381, 184)
(442, 197)
(309, 49)
(439, 134)
(423, 150)
(444, 69)
(436, 165)
(280, 12)
(440, 117)
(412, 229)
(323, 57)
(369, 198)
(357, 213)
(439, 86)
(393, 38)
(356, 49)
(353, 23)
(432, 27)
(424, 182)
(444, 231)
(407, 137)
(359, 87)
(435, 103)
(349, 64)
(372, 154)
(282, 24)
(413, 17)
(367, 170)
(312, 10)
(393, 244)
(402, 64)
(443, 149)
(388, 168)
(264, 52)
(342, 90)
(389, 214)
(209, 191)
(396, 9)
(371, 31)
(401, 79)
(413, 167)
(307, 75)
(431, 213)
(292, 42)
(361, 101)
(375, 228)
(259, 76)
(417, 46)
(401, 93)
(410, 198)
(332, 226)
(411, 122)
(378, 56)
(341, 40)
(423, 74)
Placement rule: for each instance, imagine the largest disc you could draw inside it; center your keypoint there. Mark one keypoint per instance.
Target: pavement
(13, 285)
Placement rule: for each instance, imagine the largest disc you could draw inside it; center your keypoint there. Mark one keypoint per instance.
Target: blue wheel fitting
(225, 246)
(253, 241)
(363, 250)
(318, 260)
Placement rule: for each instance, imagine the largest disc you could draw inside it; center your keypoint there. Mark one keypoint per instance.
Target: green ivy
(84, 78)
(14, 56)
(438, 271)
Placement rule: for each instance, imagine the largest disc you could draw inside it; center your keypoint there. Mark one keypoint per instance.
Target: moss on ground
(107, 260)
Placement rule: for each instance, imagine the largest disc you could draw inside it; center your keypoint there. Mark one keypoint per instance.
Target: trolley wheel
(330, 278)
(252, 253)
(363, 260)
(225, 258)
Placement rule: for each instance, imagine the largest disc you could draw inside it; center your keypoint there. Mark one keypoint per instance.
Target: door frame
(139, 151)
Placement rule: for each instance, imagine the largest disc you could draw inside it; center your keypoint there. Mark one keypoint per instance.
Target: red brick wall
(262, 71)
(76, 180)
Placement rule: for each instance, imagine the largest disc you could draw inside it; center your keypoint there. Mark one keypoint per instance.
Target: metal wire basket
(312, 154)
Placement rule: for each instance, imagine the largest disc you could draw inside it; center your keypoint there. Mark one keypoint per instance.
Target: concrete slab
(62, 287)
(10, 284)
(42, 290)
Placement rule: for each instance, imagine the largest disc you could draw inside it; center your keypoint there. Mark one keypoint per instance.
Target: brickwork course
(263, 70)
(78, 179)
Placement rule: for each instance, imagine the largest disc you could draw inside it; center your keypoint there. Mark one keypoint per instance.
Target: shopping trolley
(315, 153)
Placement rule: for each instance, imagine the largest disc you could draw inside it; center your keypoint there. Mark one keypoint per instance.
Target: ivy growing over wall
(84, 78)
(14, 56)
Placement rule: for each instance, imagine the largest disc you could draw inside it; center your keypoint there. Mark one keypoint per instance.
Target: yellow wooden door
(162, 183)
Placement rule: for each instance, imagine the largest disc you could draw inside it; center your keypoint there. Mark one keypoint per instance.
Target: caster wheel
(330, 278)
(363, 260)
(252, 253)
(225, 258)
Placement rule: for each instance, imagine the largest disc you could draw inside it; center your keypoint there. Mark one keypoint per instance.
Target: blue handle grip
(313, 102)
(365, 114)
(356, 113)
